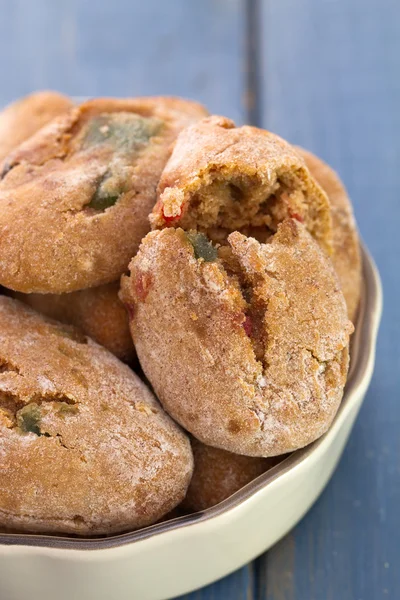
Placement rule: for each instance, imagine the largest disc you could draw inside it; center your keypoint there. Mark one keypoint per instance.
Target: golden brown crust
(85, 447)
(23, 118)
(346, 255)
(219, 474)
(97, 311)
(250, 357)
(222, 177)
(75, 197)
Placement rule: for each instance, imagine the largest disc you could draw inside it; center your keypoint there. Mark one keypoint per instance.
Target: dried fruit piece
(248, 326)
(297, 217)
(202, 246)
(130, 309)
(28, 419)
(126, 134)
(101, 202)
(143, 281)
(124, 131)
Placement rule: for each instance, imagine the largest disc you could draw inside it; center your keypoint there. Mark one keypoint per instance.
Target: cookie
(221, 178)
(219, 474)
(85, 447)
(250, 350)
(23, 118)
(346, 256)
(98, 312)
(75, 197)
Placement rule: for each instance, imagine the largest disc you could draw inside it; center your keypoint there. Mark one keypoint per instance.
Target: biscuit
(221, 178)
(250, 350)
(219, 474)
(98, 312)
(23, 118)
(75, 197)
(346, 256)
(85, 447)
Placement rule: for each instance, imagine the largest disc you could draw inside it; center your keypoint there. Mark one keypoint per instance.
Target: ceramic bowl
(180, 555)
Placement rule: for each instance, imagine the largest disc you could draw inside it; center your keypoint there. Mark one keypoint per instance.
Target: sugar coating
(97, 311)
(105, 456)
(242, 373)
(222, 178)
(23, 118)
(346, 255)
(78, 202)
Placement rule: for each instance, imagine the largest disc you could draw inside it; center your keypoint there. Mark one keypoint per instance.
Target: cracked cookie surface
(85, 447)
(249, 352)
(75, 197)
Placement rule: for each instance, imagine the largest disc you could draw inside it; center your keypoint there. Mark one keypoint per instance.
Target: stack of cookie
(238, 307)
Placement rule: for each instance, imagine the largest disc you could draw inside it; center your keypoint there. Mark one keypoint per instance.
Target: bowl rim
(362, 359)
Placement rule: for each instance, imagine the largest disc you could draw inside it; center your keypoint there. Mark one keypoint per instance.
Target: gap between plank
(253, 62)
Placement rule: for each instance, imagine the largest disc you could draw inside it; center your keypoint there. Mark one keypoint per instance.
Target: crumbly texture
(221, 178)
(250, 351)
(75, 197)
(346, 255)
(85, 448)
(23, 118)
(219, 474)
(98, 312)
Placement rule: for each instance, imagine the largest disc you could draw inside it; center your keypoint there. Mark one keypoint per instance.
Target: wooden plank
(131, 47)
(238, 586)
(331, 84)
(125, 47)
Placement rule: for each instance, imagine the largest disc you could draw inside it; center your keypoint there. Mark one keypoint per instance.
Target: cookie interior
(225, 201)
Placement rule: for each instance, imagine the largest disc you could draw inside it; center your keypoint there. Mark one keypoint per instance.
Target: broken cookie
(250, 350)
(221, 178)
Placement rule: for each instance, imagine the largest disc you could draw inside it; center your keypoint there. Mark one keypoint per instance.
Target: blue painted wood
(238, 586)
(331, 83)
(125, 47)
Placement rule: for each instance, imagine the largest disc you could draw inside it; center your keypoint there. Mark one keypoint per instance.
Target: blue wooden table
(326, 75)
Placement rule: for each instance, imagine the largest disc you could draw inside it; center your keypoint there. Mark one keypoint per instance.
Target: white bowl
(178, 556)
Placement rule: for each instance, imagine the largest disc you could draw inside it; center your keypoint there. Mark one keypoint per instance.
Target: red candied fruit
(168, 219)
(248, 325)
(130, 309)
(143, 281)
(298, 217)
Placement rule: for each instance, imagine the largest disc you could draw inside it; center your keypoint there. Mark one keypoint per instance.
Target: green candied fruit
(109, 188)
(202, 247)
(101, 201)
(124, 132)
(28, 419)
